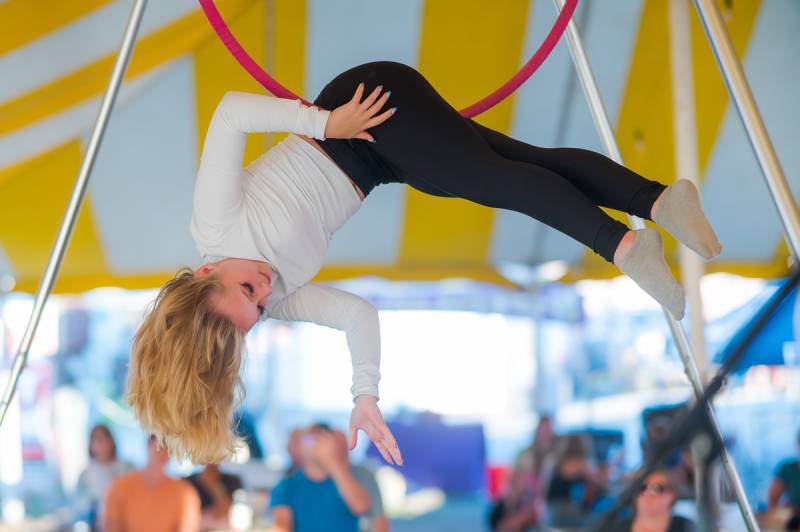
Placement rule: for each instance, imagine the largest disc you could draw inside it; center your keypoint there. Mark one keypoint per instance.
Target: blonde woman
(263, 233)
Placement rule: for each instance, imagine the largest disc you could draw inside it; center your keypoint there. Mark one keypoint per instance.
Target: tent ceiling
(133, 232)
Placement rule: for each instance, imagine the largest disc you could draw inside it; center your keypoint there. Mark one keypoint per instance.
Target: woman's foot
(640, 256)
(678, 211)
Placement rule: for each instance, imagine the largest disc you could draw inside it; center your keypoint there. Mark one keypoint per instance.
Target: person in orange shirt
(148, 499)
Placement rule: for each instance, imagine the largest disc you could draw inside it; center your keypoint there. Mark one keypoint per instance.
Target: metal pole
(739, 89)
(603, 125)
(74, 205)
(692, 268)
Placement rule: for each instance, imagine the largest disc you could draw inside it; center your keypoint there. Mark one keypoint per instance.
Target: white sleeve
(218, 191)
(347, 312)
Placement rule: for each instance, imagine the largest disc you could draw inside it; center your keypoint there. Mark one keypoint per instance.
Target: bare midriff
(323, 152)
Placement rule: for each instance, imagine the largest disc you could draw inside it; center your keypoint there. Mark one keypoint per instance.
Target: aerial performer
(263, 232)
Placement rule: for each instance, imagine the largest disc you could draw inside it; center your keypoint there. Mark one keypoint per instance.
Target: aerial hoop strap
(273, 86)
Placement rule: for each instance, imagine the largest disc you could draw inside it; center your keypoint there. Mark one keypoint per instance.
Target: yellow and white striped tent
(56, 56)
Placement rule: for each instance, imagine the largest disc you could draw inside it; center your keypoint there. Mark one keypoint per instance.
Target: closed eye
(249, 288)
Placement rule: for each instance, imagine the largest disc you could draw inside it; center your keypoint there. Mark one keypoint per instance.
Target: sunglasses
(655, 489)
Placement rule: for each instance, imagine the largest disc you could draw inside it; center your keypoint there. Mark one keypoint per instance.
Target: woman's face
(101, 445)
(247, 286)
(657, 498)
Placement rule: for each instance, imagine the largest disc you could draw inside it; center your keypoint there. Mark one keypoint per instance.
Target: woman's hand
(351, 120)
(367, 416)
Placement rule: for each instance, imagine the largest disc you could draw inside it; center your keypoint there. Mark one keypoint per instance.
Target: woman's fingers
(381, 118)
(391, 446)
(377, 440)
(378, 105)
(359, 93)
(367, 103)
(382, 448)
(365, 136)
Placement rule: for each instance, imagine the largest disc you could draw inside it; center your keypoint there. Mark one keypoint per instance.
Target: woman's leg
(675, 208)
(434, 149)
(607, 183)
(431, 147)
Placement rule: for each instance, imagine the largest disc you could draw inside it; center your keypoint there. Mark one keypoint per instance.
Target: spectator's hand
(367, 416)
(351, 120)
(325, 451)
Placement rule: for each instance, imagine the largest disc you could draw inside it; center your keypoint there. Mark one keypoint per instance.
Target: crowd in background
(556, 481)
(321, 490)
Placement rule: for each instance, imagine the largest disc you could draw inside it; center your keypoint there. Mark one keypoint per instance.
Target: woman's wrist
(365, 398)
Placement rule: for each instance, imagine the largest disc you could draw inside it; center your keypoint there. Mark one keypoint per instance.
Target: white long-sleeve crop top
(283, 209)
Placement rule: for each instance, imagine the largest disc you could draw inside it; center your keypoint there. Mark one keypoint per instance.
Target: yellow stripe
(286, 57)
(418, 272)
(763, 270)
(33, 196)
(711, 96)
(645, 128)
(25, 20)
(217, 72)
(167, 43)
(466, 51)
(75, 283)
(72, 283)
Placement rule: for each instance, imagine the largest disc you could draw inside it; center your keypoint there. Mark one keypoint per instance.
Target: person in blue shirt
(323, 493)
(786, 485)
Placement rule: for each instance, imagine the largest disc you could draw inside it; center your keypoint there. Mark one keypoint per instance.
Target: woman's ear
(204, 270)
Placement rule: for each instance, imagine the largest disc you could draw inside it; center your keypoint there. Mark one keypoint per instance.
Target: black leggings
(430, 147)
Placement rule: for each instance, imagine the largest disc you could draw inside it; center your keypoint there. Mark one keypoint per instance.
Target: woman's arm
(328, 306)
(218, 193)
(358, 319)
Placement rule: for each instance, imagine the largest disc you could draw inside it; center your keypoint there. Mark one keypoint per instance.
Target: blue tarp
(769, 347)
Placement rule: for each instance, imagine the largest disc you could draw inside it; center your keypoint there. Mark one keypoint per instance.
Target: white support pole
(739, 89)
(692, 268)
(74, 205)
(609, 141)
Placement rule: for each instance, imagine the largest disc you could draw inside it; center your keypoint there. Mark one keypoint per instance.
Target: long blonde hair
(183, 379)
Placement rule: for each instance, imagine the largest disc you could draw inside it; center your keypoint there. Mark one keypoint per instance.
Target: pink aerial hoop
(273, 86)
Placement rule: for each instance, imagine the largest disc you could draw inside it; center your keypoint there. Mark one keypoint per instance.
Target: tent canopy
(55, 59)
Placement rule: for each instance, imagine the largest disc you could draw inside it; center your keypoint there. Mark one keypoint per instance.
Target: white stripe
(734, 193)
(341, 35)
(78, 44)
(142, 185)
(44, 135)
(5, 265)
(610, 35)
(346, 33)
(373, 235)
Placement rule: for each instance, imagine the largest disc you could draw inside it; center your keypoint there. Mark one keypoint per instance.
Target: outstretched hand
(367, 416)
(351, 120)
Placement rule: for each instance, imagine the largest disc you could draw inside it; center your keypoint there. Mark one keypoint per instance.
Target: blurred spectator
(323, 493)
(375, 520)
(521, 507)
(653, 507)
(150, 500)
(103, 469)
(215, 490)
(573, 487)
(786, 486)
(683, 475)
(294, 447)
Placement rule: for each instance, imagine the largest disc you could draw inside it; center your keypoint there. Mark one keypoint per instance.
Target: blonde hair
(183, 379)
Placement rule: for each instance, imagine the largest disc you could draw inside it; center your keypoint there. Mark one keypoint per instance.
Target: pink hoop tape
(508, 88)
